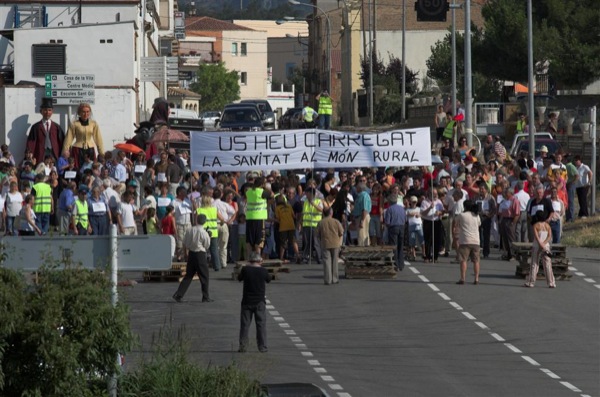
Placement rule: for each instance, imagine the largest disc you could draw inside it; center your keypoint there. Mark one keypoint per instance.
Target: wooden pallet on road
(560, 262)
(176, 273)
(273, 266)
(369, 262)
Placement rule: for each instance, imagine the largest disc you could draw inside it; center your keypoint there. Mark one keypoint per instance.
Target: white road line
(327, 378)
(572, 268)
(468, 315)
(444, 296)
(320, 370)
(414, 270)
(549, 373)
(570, 386)
(301, 346)
(270, 307)
(513, 348)
(290, 332)
(497, 337)
(306, 354)
(284, 325)
(295, 339)
(313, 362)
(597, 286)
(585, 395)
(530, 360)
(278, 319)
(335, 387)
(481, 325)
(274, 313)
(344, 395)
(268, 302)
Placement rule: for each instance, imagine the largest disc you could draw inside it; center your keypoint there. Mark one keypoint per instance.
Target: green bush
(388, 109)
(61, 336)
(169, 373)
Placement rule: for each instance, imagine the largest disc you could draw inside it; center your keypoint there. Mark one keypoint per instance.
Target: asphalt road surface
(417, 335)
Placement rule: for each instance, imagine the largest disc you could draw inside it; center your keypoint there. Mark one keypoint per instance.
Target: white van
(183, 114)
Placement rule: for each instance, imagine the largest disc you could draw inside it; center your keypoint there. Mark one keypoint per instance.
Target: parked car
(241, 117)
(182, 114)
(270, 120)
(291, 119)
(210, 118)
(523, 146)
(519, 137)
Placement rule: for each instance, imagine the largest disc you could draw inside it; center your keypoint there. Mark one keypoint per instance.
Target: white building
(86, 37)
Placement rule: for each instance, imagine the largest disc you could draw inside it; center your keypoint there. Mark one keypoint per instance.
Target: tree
(565, 33)
(217, 86)
(60, 337)
(389, 76)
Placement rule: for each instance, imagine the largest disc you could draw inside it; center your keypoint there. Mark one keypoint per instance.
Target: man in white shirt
(521, 227)
(582, 186)
(227, 212)
(467, 224)
(119, 170)
(197, 241)
(111, 197)
(182, 210)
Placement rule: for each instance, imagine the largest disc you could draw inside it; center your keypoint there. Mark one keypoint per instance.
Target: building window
(243, 78)
(244, 49)
(49, 59)
(234, 49)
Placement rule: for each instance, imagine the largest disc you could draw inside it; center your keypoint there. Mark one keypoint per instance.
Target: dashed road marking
(496, 336)
(315, 364)
(468, 315)
(570, 386)
(414, 270)
(580, 274)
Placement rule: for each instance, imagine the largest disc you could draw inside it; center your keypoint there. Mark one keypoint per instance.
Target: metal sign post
(593, 134)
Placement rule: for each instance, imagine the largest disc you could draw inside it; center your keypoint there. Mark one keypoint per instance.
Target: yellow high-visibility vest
(211, 220)
(82, 213)
(256, 208)
(43, 198)
(310, 215)
(449, 130)
(325, 106)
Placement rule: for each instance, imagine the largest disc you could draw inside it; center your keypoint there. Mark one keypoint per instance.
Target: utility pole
(468, 78)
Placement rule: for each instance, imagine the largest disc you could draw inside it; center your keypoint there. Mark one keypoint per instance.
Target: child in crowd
(242, 236)
(151, 221)
(542, 236)
(284, 216)
(167, 224)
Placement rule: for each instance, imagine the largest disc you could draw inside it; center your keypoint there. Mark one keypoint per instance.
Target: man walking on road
(329, 233)
(395, 220)
(197, 241)
(255, 278)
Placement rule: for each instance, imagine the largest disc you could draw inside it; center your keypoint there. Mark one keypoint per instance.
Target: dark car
(291, 119)
(269, 120)
(236, 117)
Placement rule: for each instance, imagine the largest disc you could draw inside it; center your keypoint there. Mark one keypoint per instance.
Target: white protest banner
(310, 148)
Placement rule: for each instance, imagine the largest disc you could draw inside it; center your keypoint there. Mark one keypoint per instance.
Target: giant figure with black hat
(45, 137)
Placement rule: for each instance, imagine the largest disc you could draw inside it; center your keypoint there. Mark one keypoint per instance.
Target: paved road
(418, 335)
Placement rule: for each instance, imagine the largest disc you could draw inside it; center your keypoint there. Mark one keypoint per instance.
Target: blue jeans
(555, 227)
(396, 238)
(570, 213)
(42, 221)
(214, 254)
(324, 121)
(10, 226)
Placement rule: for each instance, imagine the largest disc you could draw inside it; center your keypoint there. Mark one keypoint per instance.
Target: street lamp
(296, 3)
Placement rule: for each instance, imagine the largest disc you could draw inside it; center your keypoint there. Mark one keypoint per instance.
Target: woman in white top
(13, 204)
(415, 228)
(27, 226)
(556, 217)
(431, 212)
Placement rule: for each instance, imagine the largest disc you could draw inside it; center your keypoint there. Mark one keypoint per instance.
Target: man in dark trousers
(197, 241)
(45, 137)
(255, 278)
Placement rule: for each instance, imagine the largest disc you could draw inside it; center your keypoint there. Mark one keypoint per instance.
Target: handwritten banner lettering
(310, 148)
